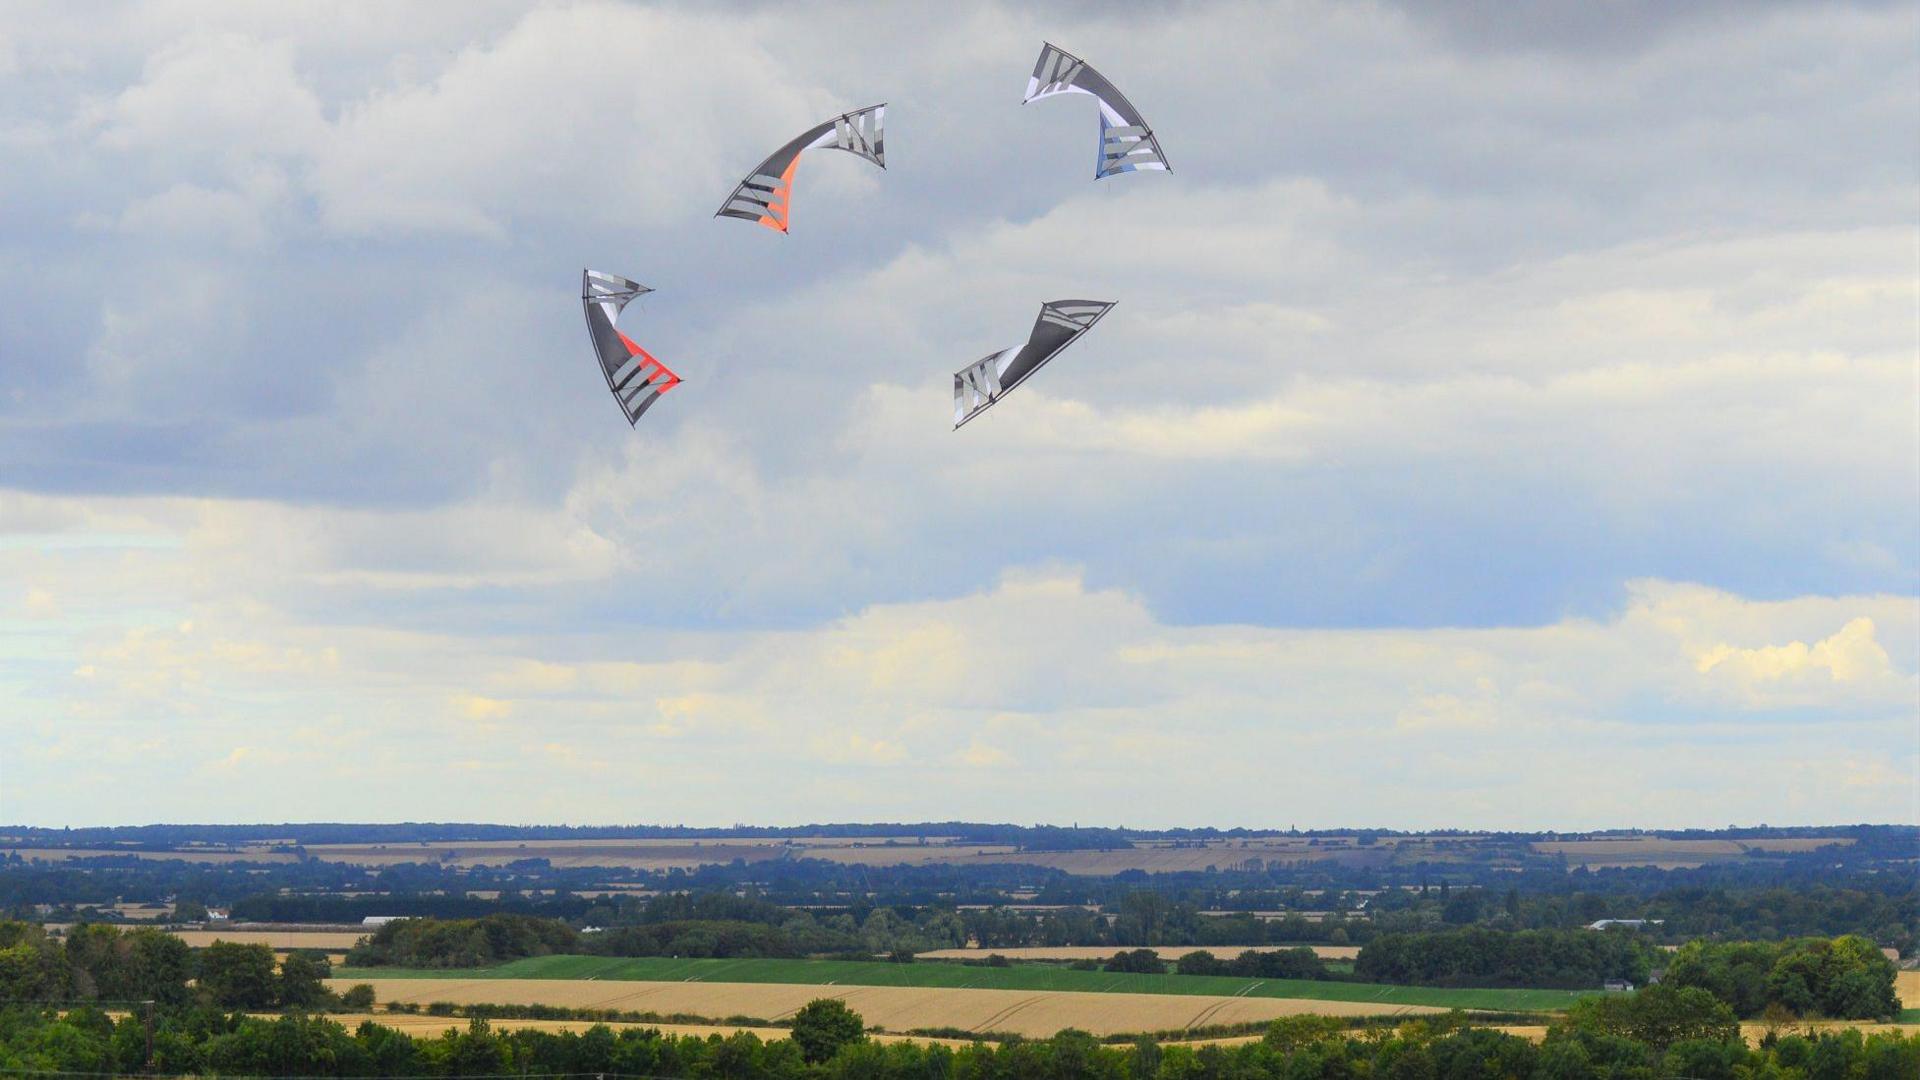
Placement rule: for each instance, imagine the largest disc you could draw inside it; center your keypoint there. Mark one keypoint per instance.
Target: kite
(977, 386)
(765, 195)
(635, 377)
(1126, 142)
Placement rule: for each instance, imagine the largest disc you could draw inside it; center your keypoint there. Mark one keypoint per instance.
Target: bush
(1200, 963)
(358, 997)
(1138, 962)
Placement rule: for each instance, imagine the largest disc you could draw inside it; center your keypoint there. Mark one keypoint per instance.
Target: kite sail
(1126, 142)
(635, 377)
(766, 194)
(977, 386)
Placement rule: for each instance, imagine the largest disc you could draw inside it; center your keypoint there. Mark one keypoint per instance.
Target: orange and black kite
(766, 194)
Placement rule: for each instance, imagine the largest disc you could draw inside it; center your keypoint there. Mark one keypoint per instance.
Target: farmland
(324, 940)
(1673, 854)
(974, 847)
(1101, 952)
(1149, 855)
(1370, 997)
(426, 1027)
(896, 1008)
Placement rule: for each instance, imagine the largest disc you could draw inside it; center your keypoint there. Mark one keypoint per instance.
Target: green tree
(824, 1025)
(1293, 1032)
(1200, 963)
(1138, 961)
(31, 965)
(1658, 1016)
(235, 976)
(359, 997)
(1565, 1059)
(303, 976)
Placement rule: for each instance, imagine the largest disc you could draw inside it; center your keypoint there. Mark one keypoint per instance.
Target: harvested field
(325, 940)
(1022, 977)
(655, 854)
(1668, 854)
(897, 1008)
(66, 854)
(1101, 952)
(428, 1027)
(1906, 984)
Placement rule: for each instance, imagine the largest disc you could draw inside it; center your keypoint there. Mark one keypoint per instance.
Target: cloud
(214, 94)
(1453, 410)
(1088, 683)
(1850, 654)
(39, 604)
(531, 126)
(475, 707)
(979, 755)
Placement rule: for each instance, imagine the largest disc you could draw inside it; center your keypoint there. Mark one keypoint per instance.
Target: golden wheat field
(1031, 1013)
(427, 1027)
(1101, 952)
(324, 940)
(1907, 985)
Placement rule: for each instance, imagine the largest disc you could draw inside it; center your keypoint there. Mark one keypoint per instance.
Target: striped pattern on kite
(765, 197)
(1127, 143)
(635, 378)
(979, 385)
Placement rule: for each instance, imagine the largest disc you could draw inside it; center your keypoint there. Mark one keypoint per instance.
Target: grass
(957, 976)
(1909, 1016)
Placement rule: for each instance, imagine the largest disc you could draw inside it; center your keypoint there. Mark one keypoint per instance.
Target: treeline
(1546, 959)
(463, 943)
(1252, 964)
(106, 964)
(719, 925)
(1671, 1038)
(1844, 978)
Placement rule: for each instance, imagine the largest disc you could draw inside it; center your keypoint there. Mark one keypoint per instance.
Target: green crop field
(958, 976)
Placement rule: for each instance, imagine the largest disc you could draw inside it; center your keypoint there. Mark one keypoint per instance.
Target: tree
(359, 996)
(823, 1026)
(1293, 1032)
(235, 976)
(1659, 1016)
(1138, 961)
(303, 976)
(1564, 1059)
(1200, 963)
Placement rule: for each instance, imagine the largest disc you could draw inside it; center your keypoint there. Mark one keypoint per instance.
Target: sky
(1510, 419)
